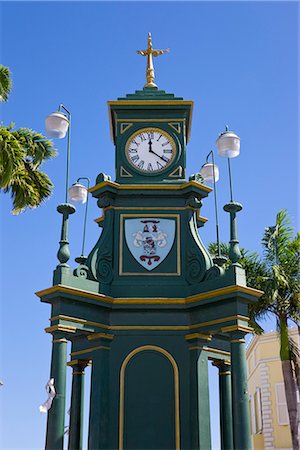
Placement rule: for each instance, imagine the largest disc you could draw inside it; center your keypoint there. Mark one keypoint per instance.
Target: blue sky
(237, 60)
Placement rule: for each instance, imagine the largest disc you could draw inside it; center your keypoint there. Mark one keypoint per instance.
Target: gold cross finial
(149, 52)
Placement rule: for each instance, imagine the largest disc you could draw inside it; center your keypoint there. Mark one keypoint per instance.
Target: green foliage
(22, 152)
(5, 83)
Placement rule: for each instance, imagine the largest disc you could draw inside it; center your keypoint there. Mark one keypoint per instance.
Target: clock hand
(150, 145)
(161, 157)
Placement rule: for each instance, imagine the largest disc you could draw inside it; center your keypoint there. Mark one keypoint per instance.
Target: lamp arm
(211, 153)
(230, 180)
(85, 214)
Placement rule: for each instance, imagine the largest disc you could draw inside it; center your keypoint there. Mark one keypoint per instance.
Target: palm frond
(5, 83)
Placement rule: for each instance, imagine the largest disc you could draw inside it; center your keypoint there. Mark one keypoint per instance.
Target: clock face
(150, 150)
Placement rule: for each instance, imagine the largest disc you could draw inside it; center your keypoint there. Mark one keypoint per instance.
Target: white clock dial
(150, 150)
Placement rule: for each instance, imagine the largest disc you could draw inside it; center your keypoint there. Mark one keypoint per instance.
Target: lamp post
(210, 173)
(79, 193)
(58, 124)
(228, 144)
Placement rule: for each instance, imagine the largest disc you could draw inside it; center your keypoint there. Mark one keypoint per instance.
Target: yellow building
(269, 416)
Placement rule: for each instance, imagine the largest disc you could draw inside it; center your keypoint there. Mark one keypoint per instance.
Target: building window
(258, 411)
(282, 412)
(252, 413)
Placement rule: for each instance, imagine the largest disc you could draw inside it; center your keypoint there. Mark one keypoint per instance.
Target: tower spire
(150, 52)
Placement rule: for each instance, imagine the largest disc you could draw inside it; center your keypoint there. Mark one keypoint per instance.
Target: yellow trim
(212, 350)
(173, 125)
(242, 341)
(152, 120)
(93, 336)
(206, 337)
(60, 340)
(99, 219)
(149, 301)
(176, 173)
(170, 187)
(124, 173)
(220, 362)
(88, 350)
(177, 237)
(80, 362)
(146, 327)
(125, 126)
(176, 388)
(224, 373)
(63, 328)
(152, 208)
(150, 102)
(237, 328)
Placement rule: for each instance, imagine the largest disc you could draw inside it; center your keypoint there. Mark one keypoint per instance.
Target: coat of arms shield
(149, 239)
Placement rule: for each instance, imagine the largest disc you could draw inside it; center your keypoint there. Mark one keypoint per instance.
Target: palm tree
(22, 152)
(5, 83)
(281, 298)
(277, 274)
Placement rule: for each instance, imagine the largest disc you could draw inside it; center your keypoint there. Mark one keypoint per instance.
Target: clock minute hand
(161, 157)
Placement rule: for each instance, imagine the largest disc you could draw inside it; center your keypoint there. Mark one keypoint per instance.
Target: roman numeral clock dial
(150, 150)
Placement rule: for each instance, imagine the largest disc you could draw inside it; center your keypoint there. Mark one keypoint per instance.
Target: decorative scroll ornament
(149, 240)
(50, 389)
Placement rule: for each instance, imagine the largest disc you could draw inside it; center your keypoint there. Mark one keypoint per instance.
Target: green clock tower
(148, 308)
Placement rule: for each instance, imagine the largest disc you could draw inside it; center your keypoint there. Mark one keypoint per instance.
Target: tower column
(56, 414)
(199, 392)
(225, 404)
(77, 403)
(240, 404)
(99, 400)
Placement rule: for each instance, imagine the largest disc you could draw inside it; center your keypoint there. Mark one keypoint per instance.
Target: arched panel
(149, 401)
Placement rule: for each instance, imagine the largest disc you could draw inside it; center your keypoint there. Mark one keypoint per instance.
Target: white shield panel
(149, 239)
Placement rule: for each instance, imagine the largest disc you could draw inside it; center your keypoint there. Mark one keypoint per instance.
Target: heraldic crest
(149, 239)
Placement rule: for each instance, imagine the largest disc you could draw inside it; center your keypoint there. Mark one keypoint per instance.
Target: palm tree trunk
(289, 383)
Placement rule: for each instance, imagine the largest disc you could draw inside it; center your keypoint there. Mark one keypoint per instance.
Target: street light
(210, 173)
(58, 124)
(78, 193)
(228, 144)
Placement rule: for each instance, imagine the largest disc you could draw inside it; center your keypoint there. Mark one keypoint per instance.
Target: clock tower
(148, 308)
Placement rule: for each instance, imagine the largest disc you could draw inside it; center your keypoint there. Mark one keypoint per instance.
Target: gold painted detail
(224, 373)
(150, 186)
(150, 53)
(212, 350)
(176, 173)
(158, 300)
(93, 336)
(151, 208)
(125, 126)
(64, 328)
(241, 341)
(124, 173)
(205, 337)
(153, 119)
(60, 340)
(144, 274)
(88, 350)
(99, 219)
(237, 327)
(79, 362)
(176, 126)
(148, 327)
(122, 391)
